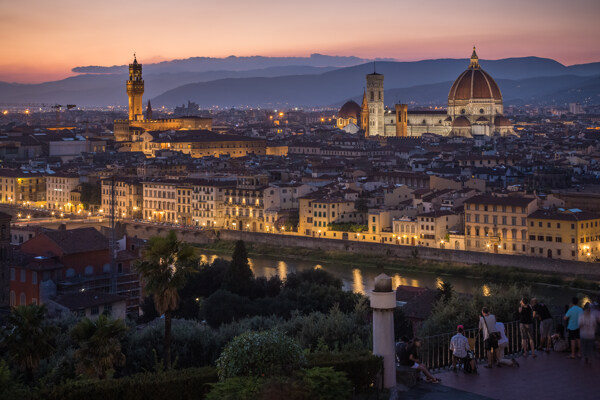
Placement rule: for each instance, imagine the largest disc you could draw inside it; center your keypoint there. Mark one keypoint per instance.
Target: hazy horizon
(48, 39)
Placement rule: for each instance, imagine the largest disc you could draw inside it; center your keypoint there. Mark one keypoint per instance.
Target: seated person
(409, 357)
(459, 346)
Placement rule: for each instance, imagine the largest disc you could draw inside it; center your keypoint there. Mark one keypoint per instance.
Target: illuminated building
(474, 108)
(129, 129)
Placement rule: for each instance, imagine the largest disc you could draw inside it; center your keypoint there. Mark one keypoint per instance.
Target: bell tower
(135, 90)
(375, 104)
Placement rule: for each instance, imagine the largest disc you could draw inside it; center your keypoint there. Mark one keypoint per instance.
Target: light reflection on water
(361, 279)
(358, 284)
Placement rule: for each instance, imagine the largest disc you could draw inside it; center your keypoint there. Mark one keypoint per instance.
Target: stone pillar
(383, 303)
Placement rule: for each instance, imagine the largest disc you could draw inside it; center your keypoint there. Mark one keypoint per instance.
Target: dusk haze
(67, 33)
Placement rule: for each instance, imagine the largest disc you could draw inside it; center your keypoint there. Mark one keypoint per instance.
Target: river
(360, 279)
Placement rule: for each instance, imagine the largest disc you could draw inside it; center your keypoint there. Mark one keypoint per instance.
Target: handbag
(493, 337)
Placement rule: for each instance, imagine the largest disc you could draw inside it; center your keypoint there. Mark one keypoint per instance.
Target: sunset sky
(42, 40)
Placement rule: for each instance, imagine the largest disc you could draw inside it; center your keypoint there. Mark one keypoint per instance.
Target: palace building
(474, 108)
(129, 129)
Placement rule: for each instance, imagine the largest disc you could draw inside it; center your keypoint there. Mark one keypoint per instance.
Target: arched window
(106, 268)
(70, 273)
(13, 299)
(22, 299)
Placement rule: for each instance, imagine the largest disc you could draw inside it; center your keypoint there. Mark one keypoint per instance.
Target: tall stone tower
(135, 90)
(375, 103)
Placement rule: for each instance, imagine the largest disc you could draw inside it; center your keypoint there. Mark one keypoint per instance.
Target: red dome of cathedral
(350, 110)
(474, 83)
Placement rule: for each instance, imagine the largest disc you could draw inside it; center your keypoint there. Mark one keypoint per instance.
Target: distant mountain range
(266, 81)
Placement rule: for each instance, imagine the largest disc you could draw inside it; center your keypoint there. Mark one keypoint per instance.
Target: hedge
(361, 368)
(185, 384)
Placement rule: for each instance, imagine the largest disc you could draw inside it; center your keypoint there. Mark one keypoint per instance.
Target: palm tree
(165, 264)
(29, 338)
(99, 346)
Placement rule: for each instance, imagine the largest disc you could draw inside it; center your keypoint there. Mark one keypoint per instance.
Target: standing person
(459, 346)
(541, 312)
(573, 327)
(502, 346)
(487, 324)
(526, 326)
(409, 357)
(587, 326)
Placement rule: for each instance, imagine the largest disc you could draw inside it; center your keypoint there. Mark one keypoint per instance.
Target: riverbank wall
(535, 264)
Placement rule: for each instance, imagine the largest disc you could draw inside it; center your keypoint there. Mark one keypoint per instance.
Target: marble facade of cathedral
(474, 108)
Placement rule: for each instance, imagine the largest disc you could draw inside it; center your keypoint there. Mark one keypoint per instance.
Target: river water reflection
(361, 279)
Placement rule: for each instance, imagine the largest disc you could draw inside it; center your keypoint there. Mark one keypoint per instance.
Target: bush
(313, 384)
(260, 354)
(360, 367)
(191, 383)
(326, 384)
(236, 388)
(192, 345)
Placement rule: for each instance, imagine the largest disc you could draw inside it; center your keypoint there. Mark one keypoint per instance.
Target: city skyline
(48, 40)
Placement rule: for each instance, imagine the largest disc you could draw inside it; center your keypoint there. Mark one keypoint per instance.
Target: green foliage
(445, 291)
(99, 349)
(334, 331)
(29, 337)
(238, 277)
(164, 269)
(361, 368)
(90, 195)
(10, 388)
(324, 383)
(236, 388)
(260, 354)
(192, 344)
(348, 227)
(191, 383)
(502, 301)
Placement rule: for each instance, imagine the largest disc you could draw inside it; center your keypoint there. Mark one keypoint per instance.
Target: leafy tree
(29, 338)
(90, 195)
(258, 354)
(238, 277)
(445, 291)
(164, 268)
(99, 346)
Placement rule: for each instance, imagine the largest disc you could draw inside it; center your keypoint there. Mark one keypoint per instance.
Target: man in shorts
(526, 326)
(572, 316)
(409, 357)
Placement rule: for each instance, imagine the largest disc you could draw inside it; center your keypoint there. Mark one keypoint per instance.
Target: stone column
(383, 303)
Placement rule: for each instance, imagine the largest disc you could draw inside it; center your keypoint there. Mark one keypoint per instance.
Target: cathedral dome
(350, 110)
(474, 83)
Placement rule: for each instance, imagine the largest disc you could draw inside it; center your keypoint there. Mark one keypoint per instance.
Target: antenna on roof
(374, 69)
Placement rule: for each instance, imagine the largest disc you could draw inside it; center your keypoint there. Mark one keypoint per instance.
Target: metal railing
(436, 354)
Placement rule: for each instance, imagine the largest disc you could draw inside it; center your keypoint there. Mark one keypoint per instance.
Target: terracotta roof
(502, 121)
(350, 109)
(87, 299)
(79, 240)
(564, 215)
(502, 201)
(461, 122)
